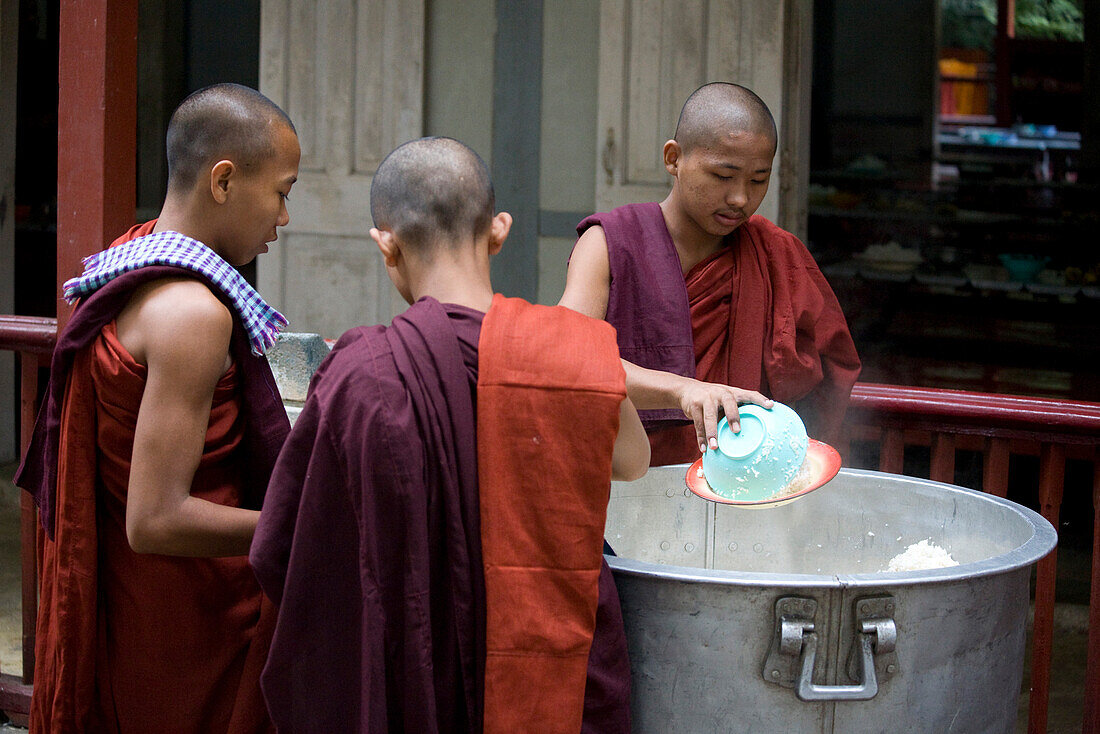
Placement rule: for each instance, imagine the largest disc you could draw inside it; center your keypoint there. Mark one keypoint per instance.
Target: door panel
(350, 75)
(654, 53)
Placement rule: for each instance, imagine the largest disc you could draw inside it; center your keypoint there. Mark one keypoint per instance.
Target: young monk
(152, 454)
(698, 287)
(432, 533)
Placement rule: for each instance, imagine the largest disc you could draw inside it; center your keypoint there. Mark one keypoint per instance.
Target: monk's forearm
(652, 389)
(703, 402)
(631, 455)
(194, 528)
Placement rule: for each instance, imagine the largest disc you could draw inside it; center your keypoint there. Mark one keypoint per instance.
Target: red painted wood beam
(29, 334)
(1071, 421)
(96, 130)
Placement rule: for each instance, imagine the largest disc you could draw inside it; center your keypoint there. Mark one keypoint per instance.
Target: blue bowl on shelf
(1023, 268)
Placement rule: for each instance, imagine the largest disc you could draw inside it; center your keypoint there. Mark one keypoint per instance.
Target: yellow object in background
(958, 95)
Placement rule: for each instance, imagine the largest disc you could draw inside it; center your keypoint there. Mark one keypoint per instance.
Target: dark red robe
(129, 642)
(760, 315)
(370, 539)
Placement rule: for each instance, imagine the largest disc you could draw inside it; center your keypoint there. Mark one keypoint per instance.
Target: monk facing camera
(433, 529)
(713, 305)
(151, 456)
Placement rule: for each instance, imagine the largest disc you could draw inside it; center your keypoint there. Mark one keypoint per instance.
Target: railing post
(943, 458)
(1052, 470)
(995, 467)
(892, 451)
(28, 521)
(1091, 719)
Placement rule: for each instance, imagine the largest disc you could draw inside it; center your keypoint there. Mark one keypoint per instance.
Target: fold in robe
(370, 540)
(129, 642)
(761, 315)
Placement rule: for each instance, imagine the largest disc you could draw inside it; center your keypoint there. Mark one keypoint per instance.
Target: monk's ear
(499, 228)
(388, 245)
(220, 174)
(673, 153)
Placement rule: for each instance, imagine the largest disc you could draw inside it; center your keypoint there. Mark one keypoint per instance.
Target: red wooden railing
(32, 339)
(999, 426)
(946, 420)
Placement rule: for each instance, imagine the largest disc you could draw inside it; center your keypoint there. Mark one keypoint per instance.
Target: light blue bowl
(761, 459)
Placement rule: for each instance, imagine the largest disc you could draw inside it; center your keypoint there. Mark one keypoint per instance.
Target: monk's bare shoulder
(176, 318)
(588, 279)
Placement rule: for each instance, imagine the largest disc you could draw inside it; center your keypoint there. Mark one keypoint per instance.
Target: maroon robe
(370, 544)
(758, 314)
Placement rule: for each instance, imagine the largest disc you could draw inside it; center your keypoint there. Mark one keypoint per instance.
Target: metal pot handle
(794, 649)
(879, 634)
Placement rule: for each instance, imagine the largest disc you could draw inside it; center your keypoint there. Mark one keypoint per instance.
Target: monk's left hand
(706, 402)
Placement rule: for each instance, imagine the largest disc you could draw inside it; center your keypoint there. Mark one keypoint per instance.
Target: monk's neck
(179, 215)
(693, 245)
(465, 283)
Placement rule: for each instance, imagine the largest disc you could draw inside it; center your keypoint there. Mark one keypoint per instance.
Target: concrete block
(293, 359)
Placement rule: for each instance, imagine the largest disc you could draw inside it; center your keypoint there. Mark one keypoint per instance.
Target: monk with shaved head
(152, 453)
(433, 529)
(714, 305)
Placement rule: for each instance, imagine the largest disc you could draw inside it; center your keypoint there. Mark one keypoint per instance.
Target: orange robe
(139, 642)
(543, 487)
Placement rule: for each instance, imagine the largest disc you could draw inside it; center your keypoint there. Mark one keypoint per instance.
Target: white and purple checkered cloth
(260, 321)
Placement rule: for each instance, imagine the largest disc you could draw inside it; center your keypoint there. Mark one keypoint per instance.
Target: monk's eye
(722, 178)
(761, 181)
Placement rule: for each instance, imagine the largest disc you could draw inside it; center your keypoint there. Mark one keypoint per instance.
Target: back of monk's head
(221, 122)
(720, 107)
(432, 192)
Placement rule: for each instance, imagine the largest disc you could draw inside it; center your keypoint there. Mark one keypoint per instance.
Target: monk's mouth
(729, 220)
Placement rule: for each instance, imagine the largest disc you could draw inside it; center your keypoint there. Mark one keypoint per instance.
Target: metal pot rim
(1042, 541)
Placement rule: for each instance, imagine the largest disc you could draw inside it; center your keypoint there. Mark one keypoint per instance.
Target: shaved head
(432, 192)
(720, 107)
(221, 122)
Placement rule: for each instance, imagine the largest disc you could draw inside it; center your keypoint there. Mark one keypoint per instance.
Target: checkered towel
(260, 321)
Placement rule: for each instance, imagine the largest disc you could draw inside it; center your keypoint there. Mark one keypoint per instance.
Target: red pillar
(96, 130)
(1006, 30)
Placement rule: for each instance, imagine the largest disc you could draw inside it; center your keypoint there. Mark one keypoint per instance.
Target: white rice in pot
(920, 557)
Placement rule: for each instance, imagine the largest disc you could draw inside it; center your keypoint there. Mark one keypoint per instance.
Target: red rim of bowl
(826, 460)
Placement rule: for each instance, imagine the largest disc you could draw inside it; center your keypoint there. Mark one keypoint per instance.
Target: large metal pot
(783, 619)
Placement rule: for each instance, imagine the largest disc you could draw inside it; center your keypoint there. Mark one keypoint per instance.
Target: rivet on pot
(891, 668)
(758, 547)
(864, 608)
(689, 547)
(733, 547)
(775, 674)
(670, 492)
(664, 545)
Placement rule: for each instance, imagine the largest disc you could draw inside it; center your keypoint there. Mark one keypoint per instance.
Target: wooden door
(654, 53)
(350, 73)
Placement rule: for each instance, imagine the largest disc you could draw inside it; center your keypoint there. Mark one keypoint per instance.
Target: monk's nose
(737, 197)
(284, 217)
